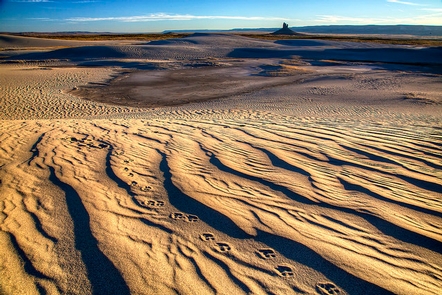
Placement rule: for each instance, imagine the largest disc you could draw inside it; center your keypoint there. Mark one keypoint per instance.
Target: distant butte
(285, 31)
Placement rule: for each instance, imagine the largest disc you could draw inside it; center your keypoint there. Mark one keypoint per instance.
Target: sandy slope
(323, 177)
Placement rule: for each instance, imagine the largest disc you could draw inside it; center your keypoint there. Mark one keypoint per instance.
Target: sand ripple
(328, 183)
(275, 205)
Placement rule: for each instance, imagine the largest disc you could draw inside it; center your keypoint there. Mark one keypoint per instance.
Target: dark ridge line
(41, 289)
(431, 147)
(276, 187)
(149, 138)
(103, 275)
(417, 158)
(341, 223)
(402, 234)
(224, 266)
(187, 204)
(384, 226)
(39, 227)
(355, 187)
(423, 184)
(306, 256)
(371, 156)
(277, 162)
(153, 224)
(414, 237)
(280, 142)
(111, 174)
(200, 274)
(34, 150)
(27, 263)
(121, 184)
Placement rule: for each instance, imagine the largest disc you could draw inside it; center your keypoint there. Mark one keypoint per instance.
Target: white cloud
(169, 17)
(47, 1)
(424, 19)
(432, 9)
(405, 2)
(346, 19)
(30, 1)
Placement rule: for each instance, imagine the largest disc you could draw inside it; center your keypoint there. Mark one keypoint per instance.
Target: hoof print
(207, 237)
(192, 218)
(266, 253)
(327, 289)
(160, 204)
(223, 247)
(133, 183)
(131, 174)
(126, 169)
(285, 271)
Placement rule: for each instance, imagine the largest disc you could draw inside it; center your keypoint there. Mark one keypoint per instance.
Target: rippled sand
(312, 176)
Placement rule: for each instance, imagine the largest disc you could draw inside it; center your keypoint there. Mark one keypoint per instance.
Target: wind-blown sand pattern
(311, 171)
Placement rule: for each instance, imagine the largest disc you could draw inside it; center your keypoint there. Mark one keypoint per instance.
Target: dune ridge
(324, 181)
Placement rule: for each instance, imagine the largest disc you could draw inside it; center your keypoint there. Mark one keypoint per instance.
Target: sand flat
(306, 172)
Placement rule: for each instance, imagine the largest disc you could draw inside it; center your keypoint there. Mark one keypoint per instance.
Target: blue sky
(160, 15)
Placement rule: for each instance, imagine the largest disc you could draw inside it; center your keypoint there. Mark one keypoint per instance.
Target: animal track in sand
(184, 217)
(327, 289)
(150, 203)
(266, 253)
(223, 247)
(178, 216)
(207, 237)
(145, 188)
(192, 218)
(285, 271)
(155, 203)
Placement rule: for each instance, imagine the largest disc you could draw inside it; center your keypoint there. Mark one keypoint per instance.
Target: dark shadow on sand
(27, 263)
(103, 275)
(289, 42)
(384, 226)
(187, 204)
(111, 174)
(121, 64)
(74, 54)
(304, 255)
(354, 187)
(416, 60)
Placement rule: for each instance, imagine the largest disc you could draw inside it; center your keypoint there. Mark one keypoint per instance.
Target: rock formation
(285, 31)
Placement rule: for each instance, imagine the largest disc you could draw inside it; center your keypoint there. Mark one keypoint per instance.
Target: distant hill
(374, 29)
(342, 29)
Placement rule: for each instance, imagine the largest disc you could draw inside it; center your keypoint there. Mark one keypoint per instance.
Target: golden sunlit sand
(217, 164)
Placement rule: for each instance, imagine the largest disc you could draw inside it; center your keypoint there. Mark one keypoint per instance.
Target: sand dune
(300, 175)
